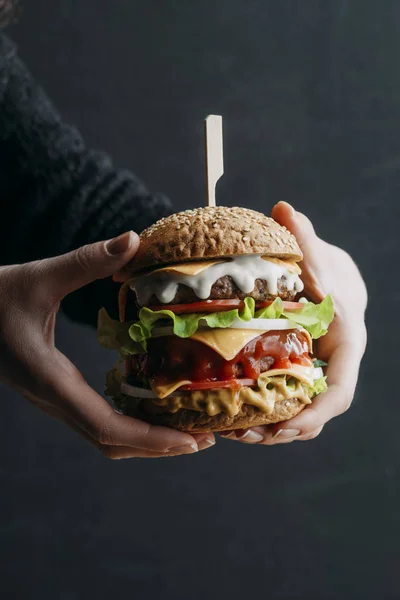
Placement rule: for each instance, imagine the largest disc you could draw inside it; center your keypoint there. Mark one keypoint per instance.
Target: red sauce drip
(177, 358)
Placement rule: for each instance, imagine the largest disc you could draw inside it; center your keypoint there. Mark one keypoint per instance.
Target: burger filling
(212, 336)
(240, 277)
(177, 358)
(226, 288)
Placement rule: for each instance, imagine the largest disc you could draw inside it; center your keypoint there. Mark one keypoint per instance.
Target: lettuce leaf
(114, 379)
(317, 362)
(186, 325)
(319, 386)
(131, 338)
(316, 318)
(273, 311)
(115, 335)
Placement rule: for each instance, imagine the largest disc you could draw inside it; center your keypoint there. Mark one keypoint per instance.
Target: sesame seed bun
(192, 421)
(208, 233)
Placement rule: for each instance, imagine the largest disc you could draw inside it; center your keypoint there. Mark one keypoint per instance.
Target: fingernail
(229, 436)
(120, 244)
(188, 449)
(251, 437)
(206, 443)
(285, 434)
(289, 207)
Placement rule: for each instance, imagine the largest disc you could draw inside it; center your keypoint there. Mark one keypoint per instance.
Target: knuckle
(347, 399)
(83, 256)
(103, 434)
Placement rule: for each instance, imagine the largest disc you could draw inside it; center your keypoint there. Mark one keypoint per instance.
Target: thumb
(66, 273)
(296, 223)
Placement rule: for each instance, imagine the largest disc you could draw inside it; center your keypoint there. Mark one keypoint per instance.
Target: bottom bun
(193, 421)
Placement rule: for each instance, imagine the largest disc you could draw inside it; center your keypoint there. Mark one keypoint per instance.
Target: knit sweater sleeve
(56, 194)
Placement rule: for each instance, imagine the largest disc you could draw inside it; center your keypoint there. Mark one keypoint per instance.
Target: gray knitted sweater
(56, 194)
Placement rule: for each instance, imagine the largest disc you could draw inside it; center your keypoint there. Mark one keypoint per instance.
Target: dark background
(310, 94)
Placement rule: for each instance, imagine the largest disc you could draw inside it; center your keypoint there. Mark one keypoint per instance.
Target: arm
(55, 196)
(56, 193)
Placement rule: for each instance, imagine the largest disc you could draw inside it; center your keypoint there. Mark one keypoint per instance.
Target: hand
(30, 296)
(326, 270)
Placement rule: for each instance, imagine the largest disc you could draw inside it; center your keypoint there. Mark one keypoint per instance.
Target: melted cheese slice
(227, 342)
(230, 400)
(292, 267)
(165, 389)
(196, 267)
(190, 268)
(300, 372)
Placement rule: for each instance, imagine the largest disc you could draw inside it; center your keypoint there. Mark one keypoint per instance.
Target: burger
(214, 333)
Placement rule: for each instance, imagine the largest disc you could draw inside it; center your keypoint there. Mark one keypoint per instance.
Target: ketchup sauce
(171, 358)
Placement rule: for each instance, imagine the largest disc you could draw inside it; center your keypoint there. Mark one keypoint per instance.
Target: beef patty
(225, 287)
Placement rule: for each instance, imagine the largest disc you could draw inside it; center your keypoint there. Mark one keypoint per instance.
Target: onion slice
(254, 324)
(265, 324)
(137, 392)
(318, 372)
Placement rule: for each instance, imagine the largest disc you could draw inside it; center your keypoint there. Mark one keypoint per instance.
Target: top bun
(207, 233)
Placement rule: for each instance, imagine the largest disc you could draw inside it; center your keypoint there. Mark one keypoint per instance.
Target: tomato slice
(211, 385)
(286, 305)
(207, 306)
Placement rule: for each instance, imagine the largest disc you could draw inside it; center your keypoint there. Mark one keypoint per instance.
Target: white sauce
(244, 270)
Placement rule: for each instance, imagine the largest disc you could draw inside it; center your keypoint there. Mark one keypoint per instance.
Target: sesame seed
(246, 238)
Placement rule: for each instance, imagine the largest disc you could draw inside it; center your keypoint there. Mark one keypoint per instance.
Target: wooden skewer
(214, 155)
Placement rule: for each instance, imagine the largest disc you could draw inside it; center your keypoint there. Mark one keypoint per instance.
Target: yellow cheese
(166, 389)
(195, 267)
(300, 372)
(268, 391)
(227, 342)
(292, 267)
(190, 268)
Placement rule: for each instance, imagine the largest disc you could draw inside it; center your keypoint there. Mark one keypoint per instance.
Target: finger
(310, 245)
(95, 416)
(121, 452)
(64, 274)
(204, 440)
(252, 435)
(112, 452)
(263, 435)
(296, 222)
(298, 438)
(342, 377)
